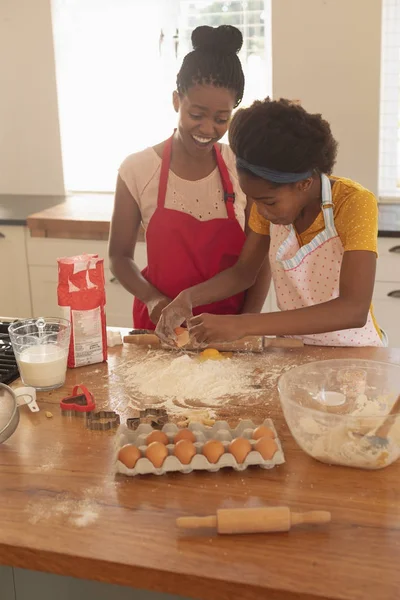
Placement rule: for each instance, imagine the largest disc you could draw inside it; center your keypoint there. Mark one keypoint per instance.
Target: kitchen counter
(127, 533)
(15, 210)
(88, 216)
(85, 216)
(389, 220)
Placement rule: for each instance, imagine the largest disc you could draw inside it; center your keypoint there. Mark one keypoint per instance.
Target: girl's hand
(155, 307)
(206, 329)
(174, 315)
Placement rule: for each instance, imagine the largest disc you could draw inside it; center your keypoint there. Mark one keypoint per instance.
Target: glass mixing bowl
(334, 407)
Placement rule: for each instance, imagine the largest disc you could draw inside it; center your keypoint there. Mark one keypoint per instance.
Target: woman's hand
(174, 315)
(206, 329)
(156, 305)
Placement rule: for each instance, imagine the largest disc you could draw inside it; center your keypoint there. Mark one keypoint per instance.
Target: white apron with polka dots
(309, 275)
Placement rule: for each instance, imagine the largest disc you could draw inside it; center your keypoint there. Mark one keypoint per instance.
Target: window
(389, 167)
(116, 64)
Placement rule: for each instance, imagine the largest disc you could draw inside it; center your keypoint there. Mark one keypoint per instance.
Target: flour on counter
(64, 509)
(185, 378)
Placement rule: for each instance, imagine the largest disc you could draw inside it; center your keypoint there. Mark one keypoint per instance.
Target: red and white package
(82, 299)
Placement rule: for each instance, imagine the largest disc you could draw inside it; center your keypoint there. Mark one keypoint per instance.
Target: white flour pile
(184, 378)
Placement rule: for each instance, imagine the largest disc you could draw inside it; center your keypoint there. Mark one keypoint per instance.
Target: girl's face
(204, 115)
(279, 204)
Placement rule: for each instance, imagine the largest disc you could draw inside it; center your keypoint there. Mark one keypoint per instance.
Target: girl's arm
(125, 224)
(236, 279)
(257, 293)
(348, 311)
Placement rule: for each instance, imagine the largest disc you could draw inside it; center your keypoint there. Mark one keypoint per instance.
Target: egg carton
(220, 431)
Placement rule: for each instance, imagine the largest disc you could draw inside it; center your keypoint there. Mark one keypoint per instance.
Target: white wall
(326, 53)
(30, 151)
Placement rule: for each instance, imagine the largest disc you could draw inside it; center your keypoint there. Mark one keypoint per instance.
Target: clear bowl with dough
(334, 407)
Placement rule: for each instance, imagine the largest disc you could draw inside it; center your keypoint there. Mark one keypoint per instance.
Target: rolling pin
(247, 344)
(254, 520)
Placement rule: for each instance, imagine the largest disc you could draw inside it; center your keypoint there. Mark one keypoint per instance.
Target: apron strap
(165, 163)
(229, 194)
(327, 204)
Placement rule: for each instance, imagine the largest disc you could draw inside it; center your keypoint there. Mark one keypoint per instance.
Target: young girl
(185, 191)
(319, 231)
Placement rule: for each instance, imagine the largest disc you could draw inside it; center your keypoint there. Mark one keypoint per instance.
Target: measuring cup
(41, 350)
(9, 402)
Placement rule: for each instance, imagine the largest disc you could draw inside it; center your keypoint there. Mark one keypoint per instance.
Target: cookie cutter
(103, 420)
(78, 405)
(156, 417)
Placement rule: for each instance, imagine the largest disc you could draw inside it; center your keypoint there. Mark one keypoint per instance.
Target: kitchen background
(86, 82)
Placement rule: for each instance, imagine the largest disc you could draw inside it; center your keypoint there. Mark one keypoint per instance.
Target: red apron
(183, 251)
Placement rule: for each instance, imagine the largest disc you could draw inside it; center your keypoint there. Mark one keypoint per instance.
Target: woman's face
(280, 204)
(204, 115)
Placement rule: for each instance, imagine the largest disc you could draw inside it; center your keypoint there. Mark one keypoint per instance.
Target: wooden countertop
(85, 216)
(126, 533)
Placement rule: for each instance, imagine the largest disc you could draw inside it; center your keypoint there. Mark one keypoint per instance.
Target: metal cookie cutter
(78, 405)
(102, 420)
(156, 417)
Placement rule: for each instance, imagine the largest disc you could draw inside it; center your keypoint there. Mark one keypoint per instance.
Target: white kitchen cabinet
(387, 310)
(43, 273)
(387, 289)
(15, 298)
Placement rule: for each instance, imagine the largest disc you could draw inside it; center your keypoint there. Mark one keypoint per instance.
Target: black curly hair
(213, 60)
(281, 135)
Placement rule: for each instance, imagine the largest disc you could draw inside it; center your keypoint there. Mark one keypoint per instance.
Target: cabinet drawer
(387, 310)
(43, 252)
(15, 300)
(44, 296)
(388, 265)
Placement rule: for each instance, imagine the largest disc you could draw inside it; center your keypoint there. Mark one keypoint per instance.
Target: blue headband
(271, 174)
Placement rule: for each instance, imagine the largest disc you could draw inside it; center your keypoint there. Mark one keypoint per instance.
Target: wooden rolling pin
(254, 520)
(247, 344)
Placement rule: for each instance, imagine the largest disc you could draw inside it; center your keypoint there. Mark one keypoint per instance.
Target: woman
(185, 191)
(320, 233)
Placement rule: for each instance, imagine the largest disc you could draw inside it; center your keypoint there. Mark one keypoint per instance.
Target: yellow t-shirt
(355, 211)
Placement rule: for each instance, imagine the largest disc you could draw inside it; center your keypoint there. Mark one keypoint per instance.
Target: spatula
(380, 437)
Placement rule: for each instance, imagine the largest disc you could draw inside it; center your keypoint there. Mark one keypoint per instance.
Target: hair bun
(224, 39)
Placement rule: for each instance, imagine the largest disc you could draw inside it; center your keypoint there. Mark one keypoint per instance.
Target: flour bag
(82, 298)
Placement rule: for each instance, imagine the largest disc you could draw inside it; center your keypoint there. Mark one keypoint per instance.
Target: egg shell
(156, 452)
(267, 447)
(129, 455)
(157, 436)
(262, 432)
(213, 450)
(184, 451)
(182, 336)
(240, 448)
(185, 434)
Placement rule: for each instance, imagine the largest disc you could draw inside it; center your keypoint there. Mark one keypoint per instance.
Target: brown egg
(266, 447)
(182, 336)
(213, 450)
(157, 436)
(185, 434)
(263, 431)
(184, 451)
(156, 452)
(129, 455)
(240, 447)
